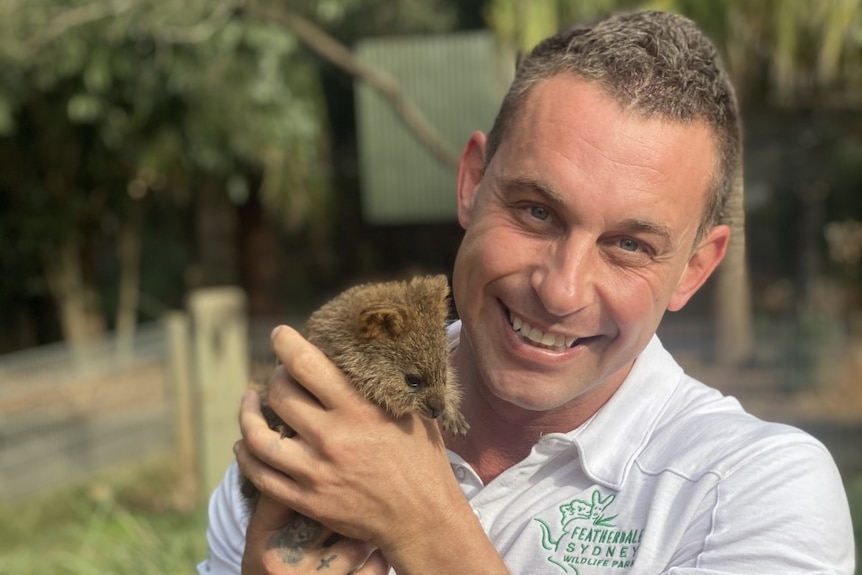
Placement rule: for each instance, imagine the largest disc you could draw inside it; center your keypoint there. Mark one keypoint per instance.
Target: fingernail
(275, 331)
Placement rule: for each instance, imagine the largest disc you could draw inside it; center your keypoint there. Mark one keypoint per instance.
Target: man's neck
(502, 435)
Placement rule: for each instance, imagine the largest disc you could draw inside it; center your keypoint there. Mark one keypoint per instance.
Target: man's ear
(470, 171)
(700, 266)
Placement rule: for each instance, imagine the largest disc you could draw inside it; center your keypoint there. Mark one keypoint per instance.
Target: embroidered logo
(589, 536)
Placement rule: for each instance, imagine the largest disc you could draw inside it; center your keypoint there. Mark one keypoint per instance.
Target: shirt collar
(612, 439)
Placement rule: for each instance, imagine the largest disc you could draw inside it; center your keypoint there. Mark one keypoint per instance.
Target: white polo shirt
(668, 477)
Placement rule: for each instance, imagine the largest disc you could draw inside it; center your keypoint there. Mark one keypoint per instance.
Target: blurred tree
(800, 54)
(107, 106)
(526, 22)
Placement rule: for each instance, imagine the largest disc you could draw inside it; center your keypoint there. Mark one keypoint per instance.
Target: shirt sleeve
(784, 511)
(226, 528)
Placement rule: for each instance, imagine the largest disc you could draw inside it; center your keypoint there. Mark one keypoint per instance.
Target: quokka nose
(433, 410)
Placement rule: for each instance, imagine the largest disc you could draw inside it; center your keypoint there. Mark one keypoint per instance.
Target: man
(592, 207)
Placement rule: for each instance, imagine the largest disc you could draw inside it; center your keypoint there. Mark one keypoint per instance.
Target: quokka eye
(413, 380)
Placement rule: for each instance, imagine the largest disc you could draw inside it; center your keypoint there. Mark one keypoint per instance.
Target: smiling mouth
(545, 340)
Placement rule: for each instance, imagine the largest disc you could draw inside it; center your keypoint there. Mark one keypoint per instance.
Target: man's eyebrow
(524, 183)
(635, 225)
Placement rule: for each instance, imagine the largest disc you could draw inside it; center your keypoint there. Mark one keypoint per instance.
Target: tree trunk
(811, 225)
(733, 314)
(259, 260)
(215, 238)
(129, 256)
(80, 318)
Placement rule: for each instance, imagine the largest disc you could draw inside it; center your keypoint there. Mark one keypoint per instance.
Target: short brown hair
(655, 63)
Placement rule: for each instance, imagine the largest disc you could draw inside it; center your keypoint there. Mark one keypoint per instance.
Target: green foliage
(799, 53)
(107, 104)
(169, 86)
(348, 20)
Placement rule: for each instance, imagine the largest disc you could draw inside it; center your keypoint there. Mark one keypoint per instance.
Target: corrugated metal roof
(457, 81)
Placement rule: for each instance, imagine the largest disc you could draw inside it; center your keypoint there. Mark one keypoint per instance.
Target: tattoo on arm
(295, 539)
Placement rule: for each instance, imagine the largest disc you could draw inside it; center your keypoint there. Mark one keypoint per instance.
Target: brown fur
(390, 340)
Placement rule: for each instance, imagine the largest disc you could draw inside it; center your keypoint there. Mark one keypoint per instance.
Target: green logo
(589, 536)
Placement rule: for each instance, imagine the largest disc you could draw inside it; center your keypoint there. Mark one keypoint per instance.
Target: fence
(66, 415)
(61, 416)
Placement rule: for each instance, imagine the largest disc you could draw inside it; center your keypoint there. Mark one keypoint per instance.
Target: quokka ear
(382, 321)
(434, 290)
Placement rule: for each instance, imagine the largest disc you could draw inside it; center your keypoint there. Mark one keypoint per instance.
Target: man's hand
(281, 542)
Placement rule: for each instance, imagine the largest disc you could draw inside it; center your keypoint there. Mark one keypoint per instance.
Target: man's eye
(629, 245)
(539, 213)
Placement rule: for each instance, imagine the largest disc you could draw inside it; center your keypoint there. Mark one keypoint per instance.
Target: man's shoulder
(704, 431)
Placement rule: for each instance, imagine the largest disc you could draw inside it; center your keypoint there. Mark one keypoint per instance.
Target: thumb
(274, 525)
(269, 516)
(276, 531)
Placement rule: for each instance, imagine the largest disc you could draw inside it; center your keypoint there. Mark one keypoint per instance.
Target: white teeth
(535, 335)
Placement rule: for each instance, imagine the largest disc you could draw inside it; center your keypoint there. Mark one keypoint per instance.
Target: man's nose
(564, 279)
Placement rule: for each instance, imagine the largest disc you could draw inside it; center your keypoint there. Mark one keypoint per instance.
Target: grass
(134, 522)
(139, 521)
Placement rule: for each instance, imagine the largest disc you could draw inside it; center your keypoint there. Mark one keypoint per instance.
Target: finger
(311, 368)
(288, 400)
(376, 564)
(267, 475)
(249, 407)
(255, 428)
(253, 424)
(293, 404)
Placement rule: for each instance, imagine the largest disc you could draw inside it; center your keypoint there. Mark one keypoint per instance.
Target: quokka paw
(284, 430)
(455, 424)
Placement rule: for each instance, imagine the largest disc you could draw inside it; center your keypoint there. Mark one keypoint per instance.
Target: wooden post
(182, 392)
(221, 374)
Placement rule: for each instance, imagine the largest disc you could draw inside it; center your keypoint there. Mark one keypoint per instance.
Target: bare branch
(336, 53)
(83, 15)
(202, 31)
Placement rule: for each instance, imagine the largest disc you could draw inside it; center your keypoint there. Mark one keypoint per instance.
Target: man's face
(579, 236)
